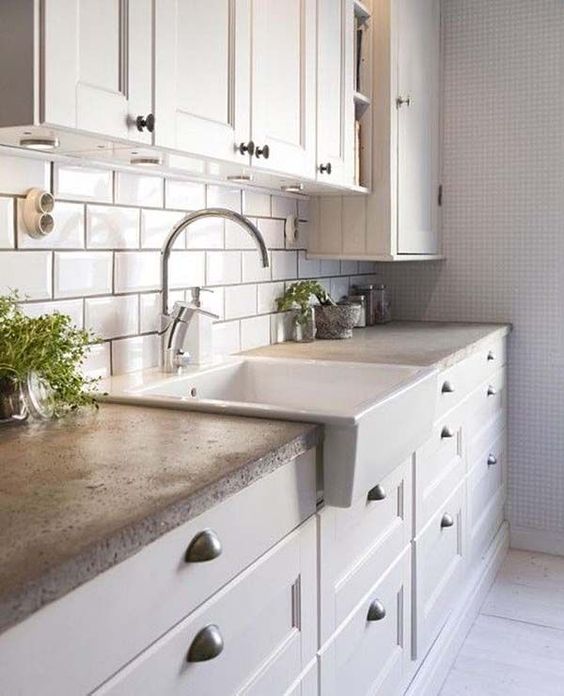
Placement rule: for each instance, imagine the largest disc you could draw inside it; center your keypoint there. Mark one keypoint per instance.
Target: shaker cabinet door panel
(418, 126)
(283, 85)
(97, 58)
(335, 128)
(202, 88)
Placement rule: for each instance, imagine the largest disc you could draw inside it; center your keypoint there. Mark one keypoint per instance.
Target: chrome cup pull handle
(207, 644)
(377, 493)
(447, 521)
(205, 546)
(376, 611)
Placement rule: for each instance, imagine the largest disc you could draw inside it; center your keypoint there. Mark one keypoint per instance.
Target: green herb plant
(49, 346)
(298, 296)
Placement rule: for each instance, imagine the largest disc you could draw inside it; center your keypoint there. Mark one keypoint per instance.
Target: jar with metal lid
(367, 290)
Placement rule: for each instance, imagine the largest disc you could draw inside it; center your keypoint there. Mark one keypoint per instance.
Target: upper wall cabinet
(399, 220)
(335, 126)
(97, 63)
(283, 85)
(202, 76)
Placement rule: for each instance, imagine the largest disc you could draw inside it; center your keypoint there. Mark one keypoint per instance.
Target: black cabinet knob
(145, 122)
(247, 148)
(263, 151)
(325, 168)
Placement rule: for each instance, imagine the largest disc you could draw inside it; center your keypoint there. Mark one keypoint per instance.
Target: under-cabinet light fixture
(39, 142)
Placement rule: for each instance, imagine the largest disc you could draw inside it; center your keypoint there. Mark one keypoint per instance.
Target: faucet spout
(200, 215)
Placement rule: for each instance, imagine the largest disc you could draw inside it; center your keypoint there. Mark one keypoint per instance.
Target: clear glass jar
(13, 407)
(382, 304)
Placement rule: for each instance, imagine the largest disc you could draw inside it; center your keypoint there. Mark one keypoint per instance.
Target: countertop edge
(96, 558)
(498, 331)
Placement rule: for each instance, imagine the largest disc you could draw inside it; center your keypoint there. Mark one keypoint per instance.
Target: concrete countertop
(422, 343)
(82, 494)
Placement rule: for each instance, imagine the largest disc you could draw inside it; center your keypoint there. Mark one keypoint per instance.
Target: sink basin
(374, 415)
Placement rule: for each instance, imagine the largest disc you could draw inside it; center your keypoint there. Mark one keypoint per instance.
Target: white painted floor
(516, 645)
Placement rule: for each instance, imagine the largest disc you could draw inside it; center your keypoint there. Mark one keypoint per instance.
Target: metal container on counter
(378, 304)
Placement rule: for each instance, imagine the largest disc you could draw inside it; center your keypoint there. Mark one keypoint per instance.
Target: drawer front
(485, 438)
(439, 466)
(486, 494)
(115, 624)
(456, 382)
(307, 684)
(359, 543)
(265, 619)
(485, 403)
(439, 570)
(370, 652)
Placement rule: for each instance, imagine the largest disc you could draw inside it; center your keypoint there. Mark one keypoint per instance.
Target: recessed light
(240, 178)
(39, 143)
(293, 188)
(145, 161)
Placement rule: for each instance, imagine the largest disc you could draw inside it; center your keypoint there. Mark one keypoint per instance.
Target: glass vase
(304, 326)
(13, 408)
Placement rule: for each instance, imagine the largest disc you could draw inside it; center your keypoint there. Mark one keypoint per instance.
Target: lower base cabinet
(370, 651)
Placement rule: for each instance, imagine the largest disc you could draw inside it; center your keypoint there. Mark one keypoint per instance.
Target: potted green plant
(297, 299)
(40, 360)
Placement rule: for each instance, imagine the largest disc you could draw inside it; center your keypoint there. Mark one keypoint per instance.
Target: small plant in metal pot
(297, 299)
(40, 359)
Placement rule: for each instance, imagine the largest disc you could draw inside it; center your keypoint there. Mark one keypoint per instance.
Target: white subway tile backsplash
(6, 223)
(240, 301)
(267, 295)
(253, 270)
(19, 174)
(138, 353)
(205, 234)
(67, 234)
(184, 195)
(283, 206)
(367, 267)
(187, 269)
(223, 197)
(28, 272)
(339, 288)
(111, 227)
(137, 271)
(77, 182)
(98, 361)
(150, 309)
(255, 332)
(223, 267)
(156, 225)
(113, 316)
(71, 307)
(226, 338)
(304, 209)
(213, 301)
(308, 268)
(281, 327)
(139, 189)
(272, 232)
(349, 267)
(330, 267)
(284, 265)
(236, 237)
(256, 204)
(80, 273)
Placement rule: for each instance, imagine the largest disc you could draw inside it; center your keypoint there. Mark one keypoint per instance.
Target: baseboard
(433, 672)
(528, 539)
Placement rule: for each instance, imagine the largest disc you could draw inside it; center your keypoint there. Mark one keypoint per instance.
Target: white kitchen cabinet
(335, 106)
(97, 66)
(283, 86)
(202, 77)
(399, 219)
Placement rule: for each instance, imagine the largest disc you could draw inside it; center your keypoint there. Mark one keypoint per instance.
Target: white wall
(504, 229)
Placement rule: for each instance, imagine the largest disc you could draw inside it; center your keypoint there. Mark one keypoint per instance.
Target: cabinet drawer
(359, 543)
(439, 570)
(485, 437)
(484, 403)
(115, 616)
(370, 652)
(486, 494)
(265, 620)
(439, 466)
(456, 382)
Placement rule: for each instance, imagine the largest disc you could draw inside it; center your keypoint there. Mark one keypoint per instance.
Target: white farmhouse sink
(374, 415)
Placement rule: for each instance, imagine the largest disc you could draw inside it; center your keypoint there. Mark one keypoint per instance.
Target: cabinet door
(335, 117)
(283, 85)
(97, 57)
(418, 126)
(202, 77)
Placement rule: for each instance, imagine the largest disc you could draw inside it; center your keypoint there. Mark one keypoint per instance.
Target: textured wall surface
(503, 224)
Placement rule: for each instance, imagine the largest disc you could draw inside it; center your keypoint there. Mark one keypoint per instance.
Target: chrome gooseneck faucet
(175, 324)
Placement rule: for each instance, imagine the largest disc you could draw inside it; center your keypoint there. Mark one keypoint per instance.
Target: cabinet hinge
(440, 195)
